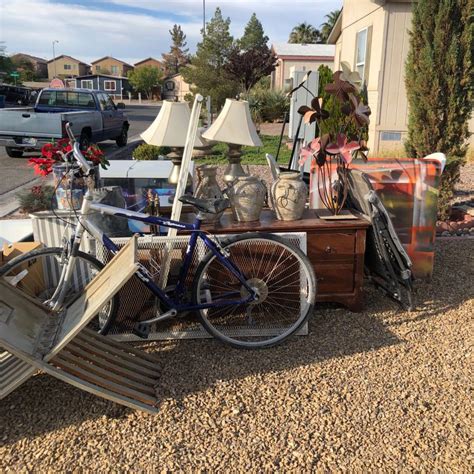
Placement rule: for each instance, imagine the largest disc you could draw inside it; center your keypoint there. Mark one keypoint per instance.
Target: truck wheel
(13, 152)
(121, 140)
(84, 141)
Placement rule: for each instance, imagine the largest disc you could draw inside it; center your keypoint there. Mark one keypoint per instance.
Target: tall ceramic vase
(208, 189)
(247, 197)
(288, 196)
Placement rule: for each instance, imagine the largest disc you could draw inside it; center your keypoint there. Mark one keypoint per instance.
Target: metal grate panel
(137, 303)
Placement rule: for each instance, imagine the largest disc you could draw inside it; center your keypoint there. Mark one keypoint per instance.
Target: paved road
(15, 172)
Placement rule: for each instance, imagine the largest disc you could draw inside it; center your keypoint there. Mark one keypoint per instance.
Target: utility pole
(54, 58)
(203, 18)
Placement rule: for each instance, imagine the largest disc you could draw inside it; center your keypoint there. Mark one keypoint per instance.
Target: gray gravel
(379, 390)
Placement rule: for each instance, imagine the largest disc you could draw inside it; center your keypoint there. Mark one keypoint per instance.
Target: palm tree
(328, 25)
(304, 33)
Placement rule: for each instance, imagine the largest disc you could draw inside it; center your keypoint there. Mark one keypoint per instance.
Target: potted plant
(341, 132)
(55, 159)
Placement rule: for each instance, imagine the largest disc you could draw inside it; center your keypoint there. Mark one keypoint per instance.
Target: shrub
(38, 198)
(150, 152)
(267, 105)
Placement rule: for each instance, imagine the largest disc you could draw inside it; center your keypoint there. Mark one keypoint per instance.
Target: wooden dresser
(336, 249)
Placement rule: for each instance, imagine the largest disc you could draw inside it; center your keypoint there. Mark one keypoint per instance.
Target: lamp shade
(234, 125)
(170, 126)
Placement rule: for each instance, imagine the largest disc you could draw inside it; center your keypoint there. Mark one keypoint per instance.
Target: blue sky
(135, 29)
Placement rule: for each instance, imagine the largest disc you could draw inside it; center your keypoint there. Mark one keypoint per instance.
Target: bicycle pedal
(141, 330)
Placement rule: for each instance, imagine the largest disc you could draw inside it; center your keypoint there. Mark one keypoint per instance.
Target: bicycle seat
(211, 206)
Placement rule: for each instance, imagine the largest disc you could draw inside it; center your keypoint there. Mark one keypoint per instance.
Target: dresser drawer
(334, 278)
(334, 246)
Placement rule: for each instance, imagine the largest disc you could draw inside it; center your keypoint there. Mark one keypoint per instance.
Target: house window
(114, 70)
(87, 84)
(67, 67)
(361, 51)
(97, 68)
(109, 86)
(391, 136)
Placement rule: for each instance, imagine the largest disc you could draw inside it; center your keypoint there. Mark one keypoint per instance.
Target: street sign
(15, 74)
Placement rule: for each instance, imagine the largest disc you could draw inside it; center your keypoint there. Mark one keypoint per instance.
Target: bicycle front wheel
(280, 273)
(37, 274)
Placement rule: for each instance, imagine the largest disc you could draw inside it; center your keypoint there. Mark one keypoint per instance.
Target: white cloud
(86, 33)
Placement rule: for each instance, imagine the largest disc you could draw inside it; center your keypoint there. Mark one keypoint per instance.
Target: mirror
(120, 105)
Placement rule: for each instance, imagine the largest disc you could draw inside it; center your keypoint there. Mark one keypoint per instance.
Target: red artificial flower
(341, 147)
(42, 166)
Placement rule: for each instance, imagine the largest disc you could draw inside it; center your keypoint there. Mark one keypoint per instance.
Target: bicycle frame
(142, 273)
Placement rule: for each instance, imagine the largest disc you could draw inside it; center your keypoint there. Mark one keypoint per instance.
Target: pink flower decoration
(309, 150)
(341, 147)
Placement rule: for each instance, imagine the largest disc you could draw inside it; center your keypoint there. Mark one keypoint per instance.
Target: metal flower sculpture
(353, 77)
(331, 154)
(340, 88)
(315, 112)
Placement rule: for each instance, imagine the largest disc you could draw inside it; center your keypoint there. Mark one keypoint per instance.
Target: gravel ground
(382, 389)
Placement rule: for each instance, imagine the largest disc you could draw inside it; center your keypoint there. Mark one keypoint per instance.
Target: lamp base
(234, 168)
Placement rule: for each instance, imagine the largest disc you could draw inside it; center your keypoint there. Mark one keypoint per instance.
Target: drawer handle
(320, 279)
(328, 249)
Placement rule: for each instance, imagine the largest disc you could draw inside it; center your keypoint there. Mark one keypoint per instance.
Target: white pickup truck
(93, 115)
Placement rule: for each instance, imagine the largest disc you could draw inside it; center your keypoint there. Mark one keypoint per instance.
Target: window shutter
(367, 54)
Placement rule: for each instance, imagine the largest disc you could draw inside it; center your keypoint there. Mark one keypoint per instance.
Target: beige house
(174, 88)
(40, 65)
(111, 66)
(372, 36)
(66, 66)
(303, 57)
(150, 62)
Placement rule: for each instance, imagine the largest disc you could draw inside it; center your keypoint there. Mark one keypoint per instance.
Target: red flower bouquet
(56, 152)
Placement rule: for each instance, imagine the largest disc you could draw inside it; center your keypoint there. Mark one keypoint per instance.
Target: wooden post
(181, 186)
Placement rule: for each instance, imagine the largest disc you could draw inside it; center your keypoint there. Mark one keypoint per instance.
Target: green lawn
(250, 155)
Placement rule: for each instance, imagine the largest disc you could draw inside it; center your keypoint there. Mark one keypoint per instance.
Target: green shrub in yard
(150, 152)
(267, 105)
(38, 198)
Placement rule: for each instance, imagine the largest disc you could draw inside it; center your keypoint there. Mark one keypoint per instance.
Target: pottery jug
(208, 189)
(247, 197)
(288, 195)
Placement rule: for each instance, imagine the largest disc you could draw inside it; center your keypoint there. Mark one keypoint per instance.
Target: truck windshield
(67, 99)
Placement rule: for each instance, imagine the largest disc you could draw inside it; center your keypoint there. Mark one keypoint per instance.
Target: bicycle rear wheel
(37, 274)
(280, 273)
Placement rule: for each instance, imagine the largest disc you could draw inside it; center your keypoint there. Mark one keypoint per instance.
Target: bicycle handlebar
(78, 156)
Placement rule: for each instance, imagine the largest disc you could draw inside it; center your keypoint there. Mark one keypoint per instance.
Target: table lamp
(169, 129)
(234, 126)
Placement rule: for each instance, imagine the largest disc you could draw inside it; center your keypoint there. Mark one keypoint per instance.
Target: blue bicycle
(250, 291)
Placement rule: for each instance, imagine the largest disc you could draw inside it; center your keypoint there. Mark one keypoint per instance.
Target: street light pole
(54, 58)
(203, 18)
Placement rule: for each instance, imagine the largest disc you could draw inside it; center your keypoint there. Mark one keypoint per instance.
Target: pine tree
(178, 55)
(439, 80)
(254, 36)
(206, 71)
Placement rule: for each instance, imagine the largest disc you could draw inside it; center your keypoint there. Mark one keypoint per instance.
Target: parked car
(93, 115)
(15, 95)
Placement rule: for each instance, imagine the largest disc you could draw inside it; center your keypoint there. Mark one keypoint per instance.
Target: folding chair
(387, 262)
(61, 345)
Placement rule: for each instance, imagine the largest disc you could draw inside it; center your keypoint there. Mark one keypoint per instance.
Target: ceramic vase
(208, 189)
(247, 197)
(288, 194)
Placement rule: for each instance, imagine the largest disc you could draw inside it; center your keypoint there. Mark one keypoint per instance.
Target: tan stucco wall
(357, 15)
(78, 69)
(106, 65)
(282, 71)
(181, 88)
